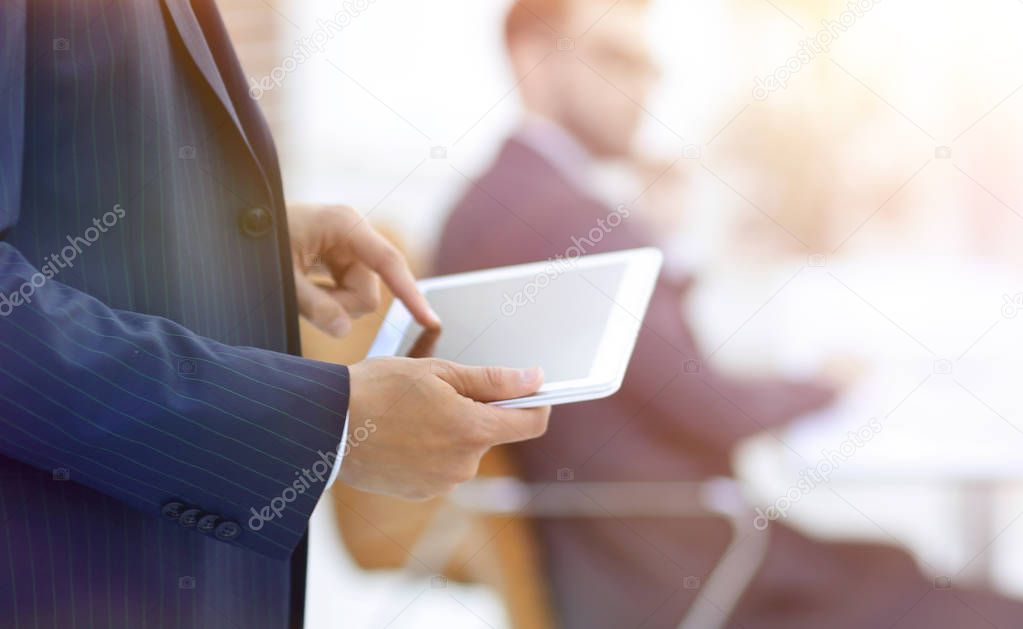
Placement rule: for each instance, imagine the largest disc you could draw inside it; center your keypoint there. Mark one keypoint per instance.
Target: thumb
(489, 384)
(320, 308)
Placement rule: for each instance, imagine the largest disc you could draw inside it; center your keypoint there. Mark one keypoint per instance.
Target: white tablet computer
(576, 318)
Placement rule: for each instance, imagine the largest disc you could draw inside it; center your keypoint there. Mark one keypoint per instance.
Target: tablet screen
(554, 319)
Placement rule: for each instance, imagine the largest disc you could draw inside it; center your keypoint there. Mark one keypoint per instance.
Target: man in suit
(676, 418)
(161, 443)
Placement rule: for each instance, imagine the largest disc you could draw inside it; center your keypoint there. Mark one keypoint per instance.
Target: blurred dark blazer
(148, 406)
(521, 210)
(676, 418)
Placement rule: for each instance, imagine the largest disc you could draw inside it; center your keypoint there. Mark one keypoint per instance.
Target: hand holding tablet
(416, 428)
(577, 319)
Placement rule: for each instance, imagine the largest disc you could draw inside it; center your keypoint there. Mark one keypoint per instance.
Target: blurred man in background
(584, 74)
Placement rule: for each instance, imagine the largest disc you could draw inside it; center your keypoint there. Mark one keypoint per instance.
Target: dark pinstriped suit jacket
(146, 312)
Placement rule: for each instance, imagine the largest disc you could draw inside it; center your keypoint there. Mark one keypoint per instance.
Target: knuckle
(326, 311)
(467, 470)
(494, 377)
(371, 301)
(342, 218)
(325, 214)
(438, 366)
(360, 308)
(389, 254)
(451, 475)
(474, 435)
(425, 390)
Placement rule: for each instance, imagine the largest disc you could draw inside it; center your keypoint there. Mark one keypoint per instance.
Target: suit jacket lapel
(195, 41)
(12, 108)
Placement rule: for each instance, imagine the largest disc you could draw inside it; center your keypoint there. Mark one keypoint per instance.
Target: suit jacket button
(172, 510)
(207, 523)
(227, 531)
(255, 222)
(189, 517)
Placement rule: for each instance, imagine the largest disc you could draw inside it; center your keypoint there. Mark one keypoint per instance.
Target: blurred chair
(507, 496)
(437, 539)
(481, 533)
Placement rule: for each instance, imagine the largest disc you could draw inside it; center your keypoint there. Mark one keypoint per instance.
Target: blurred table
(937, 339)
(943, 438)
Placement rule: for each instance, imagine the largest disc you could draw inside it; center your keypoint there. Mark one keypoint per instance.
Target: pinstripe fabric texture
(146, 312)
